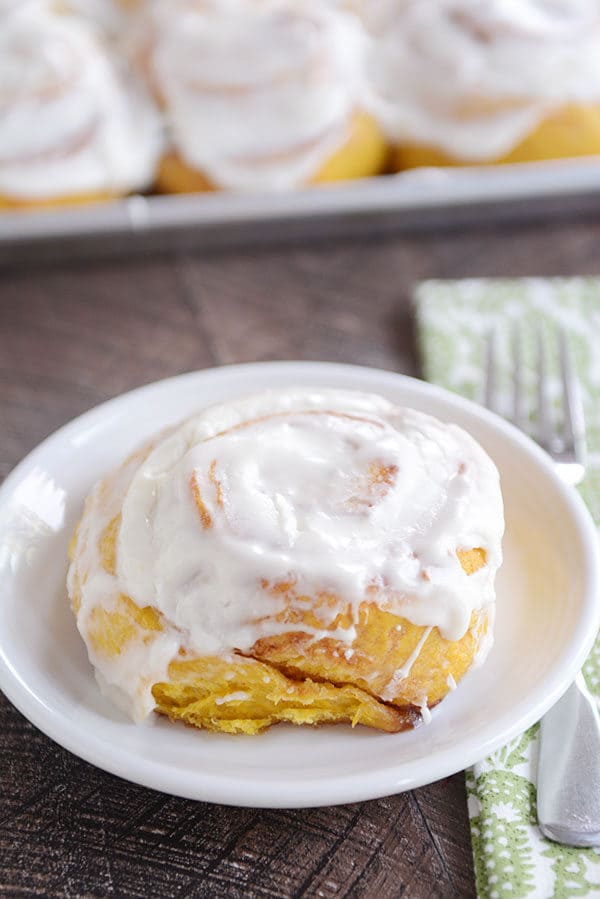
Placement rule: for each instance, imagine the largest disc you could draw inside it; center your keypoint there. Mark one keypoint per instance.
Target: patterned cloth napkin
(512, 858)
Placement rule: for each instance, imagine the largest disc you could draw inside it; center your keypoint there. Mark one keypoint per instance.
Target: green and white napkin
(512, 858)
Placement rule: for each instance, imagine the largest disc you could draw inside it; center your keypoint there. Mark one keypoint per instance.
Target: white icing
(425, 713)
(112, 17)
(238, 696)
(285, 481)
(474, 77)
(257, 94)
(484, 632)
(451, 683)
(70, 121)
(391, 688)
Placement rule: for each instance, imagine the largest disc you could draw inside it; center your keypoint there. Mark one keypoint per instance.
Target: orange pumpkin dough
(571, 131)
(364, 153)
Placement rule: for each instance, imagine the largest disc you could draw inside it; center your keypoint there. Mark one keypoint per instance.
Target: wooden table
(74, 335)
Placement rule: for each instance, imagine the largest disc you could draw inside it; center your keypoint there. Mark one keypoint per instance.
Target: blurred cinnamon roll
(460, 82)
(74, 127)
(261, 94)
(299, 556)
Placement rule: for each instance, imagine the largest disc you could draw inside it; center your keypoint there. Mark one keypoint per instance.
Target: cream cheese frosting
(71, 122)
(474, 77)
(258, 94)
(340, 492)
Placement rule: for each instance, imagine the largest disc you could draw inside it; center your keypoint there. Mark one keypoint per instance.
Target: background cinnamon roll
(261, 95)
(464, 82)
(296, 556)
(74, 125)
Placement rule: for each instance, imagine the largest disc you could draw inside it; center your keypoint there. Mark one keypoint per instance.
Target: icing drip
(425, 713)
(391, 689)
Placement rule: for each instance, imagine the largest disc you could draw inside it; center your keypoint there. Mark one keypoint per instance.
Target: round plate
(548, 612)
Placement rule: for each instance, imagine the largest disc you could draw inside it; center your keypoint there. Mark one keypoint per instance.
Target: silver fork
(568, 790)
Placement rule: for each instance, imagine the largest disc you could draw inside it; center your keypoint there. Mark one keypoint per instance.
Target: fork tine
(490, 386)
(545, 433)
(519, 415)
(574, 420)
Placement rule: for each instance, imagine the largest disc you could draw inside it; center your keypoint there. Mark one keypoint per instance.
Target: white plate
(548, 613)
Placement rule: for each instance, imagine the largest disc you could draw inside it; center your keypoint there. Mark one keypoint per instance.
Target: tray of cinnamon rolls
(157, 115)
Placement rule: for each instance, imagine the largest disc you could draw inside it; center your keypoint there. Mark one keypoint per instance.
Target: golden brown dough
(291, 677)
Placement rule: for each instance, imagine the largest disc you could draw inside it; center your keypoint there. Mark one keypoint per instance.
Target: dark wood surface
(74, 335)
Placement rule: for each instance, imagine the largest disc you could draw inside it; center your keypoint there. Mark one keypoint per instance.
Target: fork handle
(568, 802)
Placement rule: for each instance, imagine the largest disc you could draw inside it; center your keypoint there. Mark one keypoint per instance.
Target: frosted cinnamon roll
(300, 556)
(261, 94)
(73, 126)
(466, 81)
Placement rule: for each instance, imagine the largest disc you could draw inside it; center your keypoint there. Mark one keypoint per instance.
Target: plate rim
(346, 788)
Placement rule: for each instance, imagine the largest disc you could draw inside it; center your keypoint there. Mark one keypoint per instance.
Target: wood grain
(74, 335)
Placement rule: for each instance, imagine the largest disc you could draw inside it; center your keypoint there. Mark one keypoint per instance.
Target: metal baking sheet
(417, 198)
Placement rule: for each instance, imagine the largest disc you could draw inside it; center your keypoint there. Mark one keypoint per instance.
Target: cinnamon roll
(74, 127)
(458, 82)
(299, 556)
(261, 94)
